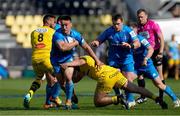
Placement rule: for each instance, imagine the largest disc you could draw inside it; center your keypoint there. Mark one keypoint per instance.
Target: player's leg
(177, 63)
(158, 83)
(135, 89)
(141, 83)
(48, 103)
(55, 94)
(117, 90)
(153, 74)
(158, 64)
(101, 98)
(68, 73)
(128, 72)
(34, 86)
(159, 69)
(52, 92)
(104, 87)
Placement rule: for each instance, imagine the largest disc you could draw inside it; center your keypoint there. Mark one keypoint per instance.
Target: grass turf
(13, 90)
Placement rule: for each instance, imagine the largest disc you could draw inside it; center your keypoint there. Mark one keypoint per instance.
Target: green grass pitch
(13, 90)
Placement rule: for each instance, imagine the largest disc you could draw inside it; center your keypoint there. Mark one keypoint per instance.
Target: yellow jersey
(106, 76)
(93, 72)
(41, 41)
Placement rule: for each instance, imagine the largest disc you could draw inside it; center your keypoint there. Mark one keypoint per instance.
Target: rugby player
(150, 30)
(107, 77)
(120, 53)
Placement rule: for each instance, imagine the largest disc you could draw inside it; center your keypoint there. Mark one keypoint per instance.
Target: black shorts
(156, 62)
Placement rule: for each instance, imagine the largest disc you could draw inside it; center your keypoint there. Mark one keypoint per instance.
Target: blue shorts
(148, 71)
(57, 68)
(123, 67)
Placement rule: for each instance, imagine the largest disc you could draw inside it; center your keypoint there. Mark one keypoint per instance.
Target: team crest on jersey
(69, 39)
(41, 30)
(111, 37)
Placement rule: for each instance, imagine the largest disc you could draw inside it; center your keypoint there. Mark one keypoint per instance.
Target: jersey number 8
(40, 37)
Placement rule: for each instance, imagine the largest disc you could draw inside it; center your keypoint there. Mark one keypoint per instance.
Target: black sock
(35, 85)
(141, 83)
(116, 90)
(161, 91)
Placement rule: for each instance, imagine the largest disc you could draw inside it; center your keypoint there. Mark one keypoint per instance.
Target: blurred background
(18, 18)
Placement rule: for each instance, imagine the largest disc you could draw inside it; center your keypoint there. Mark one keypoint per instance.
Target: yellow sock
(114, 99)
(31, 92)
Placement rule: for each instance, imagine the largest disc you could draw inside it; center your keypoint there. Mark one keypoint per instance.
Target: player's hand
(126, 45)
(144, 63)
(94, 43)
(76, 42)
(64, 66)
(99, 64)
(159, 56)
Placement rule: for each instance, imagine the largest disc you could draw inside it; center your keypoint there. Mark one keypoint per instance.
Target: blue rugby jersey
(117, 53)
(59, 56)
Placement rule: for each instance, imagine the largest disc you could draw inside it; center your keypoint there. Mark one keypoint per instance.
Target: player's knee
(98, 102)
(161, 86)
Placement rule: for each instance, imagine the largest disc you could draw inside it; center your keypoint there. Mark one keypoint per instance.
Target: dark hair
(47, 17)
(141, 10)
(59, 18)
(65, 17)
(133, 24)
(116, 17)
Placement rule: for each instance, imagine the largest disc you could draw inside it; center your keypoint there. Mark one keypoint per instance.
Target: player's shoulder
(152, 22)
(74, 32)
(126, 28)
(109, 29)
(58, 35)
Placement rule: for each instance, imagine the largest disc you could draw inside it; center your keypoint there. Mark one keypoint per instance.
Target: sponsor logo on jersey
(41, 30)
(40, 45)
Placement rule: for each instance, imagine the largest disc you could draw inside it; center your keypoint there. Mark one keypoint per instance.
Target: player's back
(41, 40)
(93, 71)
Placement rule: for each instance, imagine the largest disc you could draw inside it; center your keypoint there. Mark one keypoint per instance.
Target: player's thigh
(120, 81)
(47, 66)
(109, 80)
(151, 72)
(69, 73)
(129, 71)
(38, 69)
(99, 94)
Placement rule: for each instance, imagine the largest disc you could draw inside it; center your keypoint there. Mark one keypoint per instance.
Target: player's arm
(77, 62)
(134, 38)
(100, 39)
(157, 30)
(150, 50)
(134, 45)
(63, 46)
(88, 49)
(161, 49)
(95, 43)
